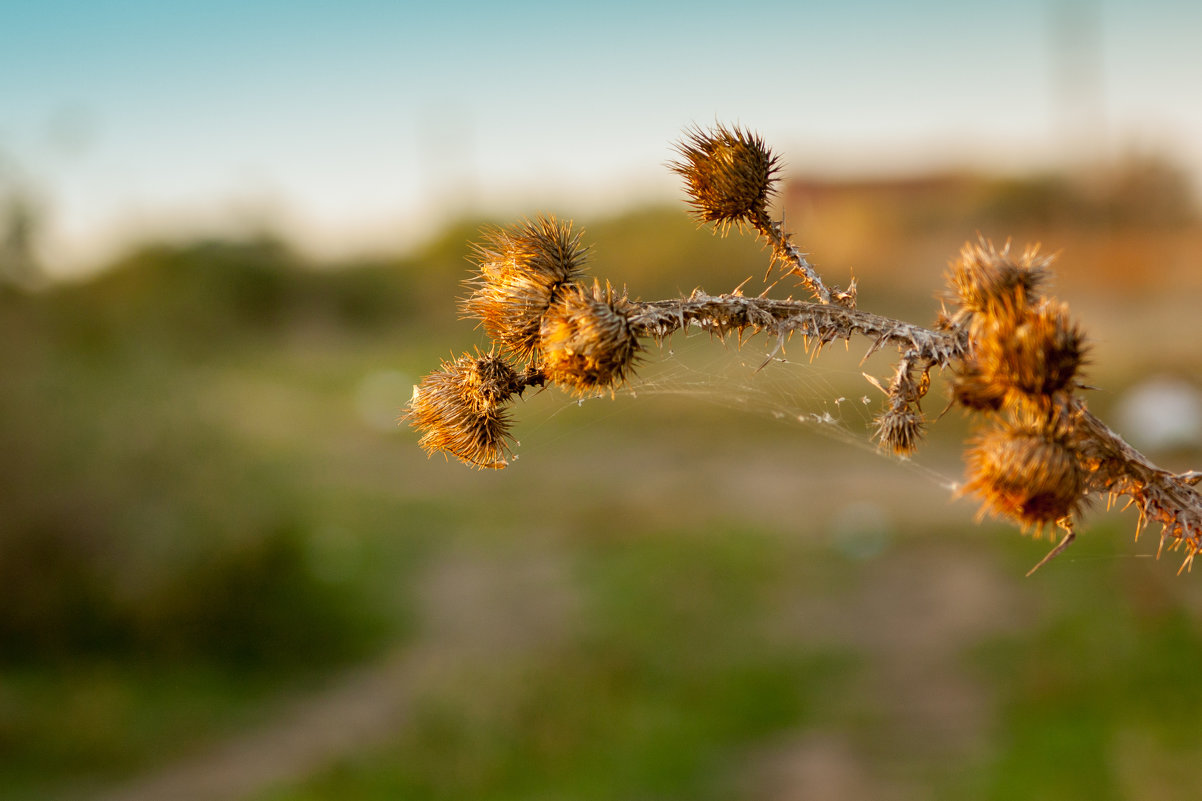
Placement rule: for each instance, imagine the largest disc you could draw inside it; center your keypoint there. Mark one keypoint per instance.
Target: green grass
(657, 693)
(200, 527)
(81, 725)
(1112, 656)
(677, 680)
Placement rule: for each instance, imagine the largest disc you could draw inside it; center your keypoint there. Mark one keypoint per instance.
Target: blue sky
(364, 125)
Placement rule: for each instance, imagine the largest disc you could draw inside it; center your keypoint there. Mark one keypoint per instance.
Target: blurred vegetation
(201, 515)
(715, 666)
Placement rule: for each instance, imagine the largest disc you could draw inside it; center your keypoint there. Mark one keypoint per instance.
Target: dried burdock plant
(987, 282)
(461, 408)
(1027, 471)
(522, 272)
(1013, 356)
(731, 177)
(901, 425)
(900, 428)
(586, 340)
(730, 174)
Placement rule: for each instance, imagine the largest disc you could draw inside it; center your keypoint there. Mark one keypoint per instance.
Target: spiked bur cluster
(523, 271)
(730, 176)
(1027, 471)
(461, 408)
(1012, 355)
(1019, 371)
(1025, 347)
(901, 425)
(586, 340)
(528, 297)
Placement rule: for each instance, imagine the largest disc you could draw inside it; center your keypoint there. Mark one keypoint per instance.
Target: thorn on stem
(1064, 543)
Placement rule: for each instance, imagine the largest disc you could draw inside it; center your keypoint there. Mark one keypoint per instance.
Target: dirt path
(482, 608)
(361, 709)
(471, 611)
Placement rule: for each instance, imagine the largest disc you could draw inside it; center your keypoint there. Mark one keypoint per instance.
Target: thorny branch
(788, 254)
(1169, 499)
(820, 322)
(1013, 355)
(1117, 469)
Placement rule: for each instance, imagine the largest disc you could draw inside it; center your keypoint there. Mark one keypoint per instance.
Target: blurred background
(232, 239)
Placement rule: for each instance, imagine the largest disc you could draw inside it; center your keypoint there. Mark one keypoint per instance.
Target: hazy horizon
(365, 127)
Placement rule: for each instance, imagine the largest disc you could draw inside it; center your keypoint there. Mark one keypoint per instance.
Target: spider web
(831, 400)
(824, 393)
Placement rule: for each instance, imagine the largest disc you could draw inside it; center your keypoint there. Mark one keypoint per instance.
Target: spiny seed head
(900, 428)
(459, 409)
(993, 283)
(729, 173)
(522, 270)
(586, 342)
(977, 391)
(1037, 354)
(1046, 351)
(1026, 473)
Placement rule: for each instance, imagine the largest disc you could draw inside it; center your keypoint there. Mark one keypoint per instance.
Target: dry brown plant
(1013, 355)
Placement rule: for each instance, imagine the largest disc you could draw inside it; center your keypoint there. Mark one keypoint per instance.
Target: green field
(224, 568)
